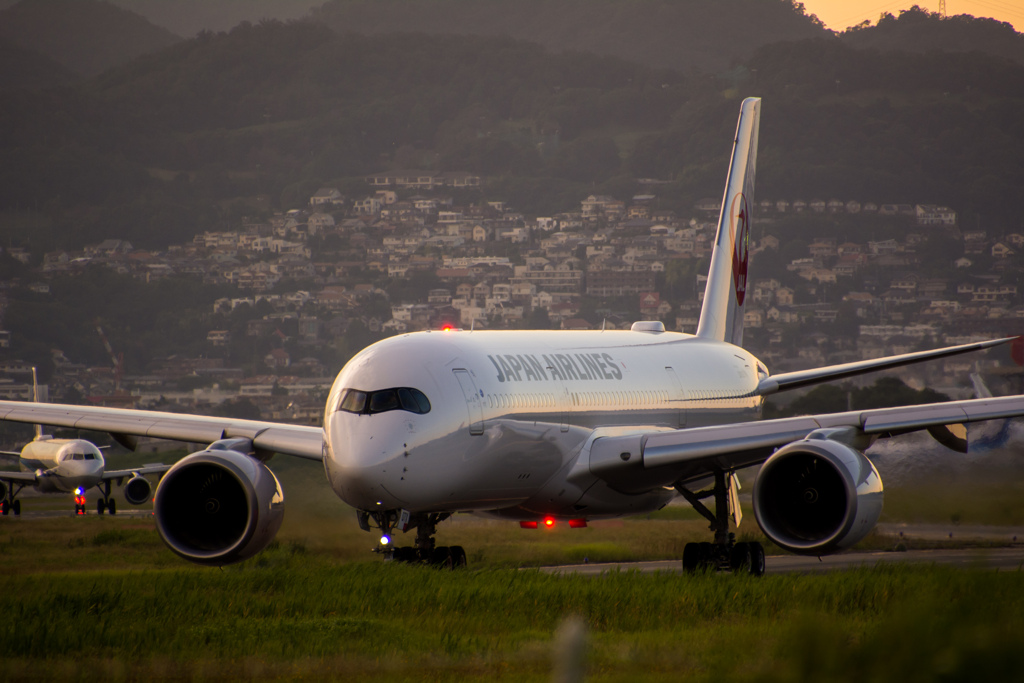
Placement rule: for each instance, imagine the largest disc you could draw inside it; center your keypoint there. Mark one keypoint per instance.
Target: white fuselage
(511, 412)
(62, 465)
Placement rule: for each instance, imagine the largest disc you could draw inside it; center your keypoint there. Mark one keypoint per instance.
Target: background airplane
(69, 466)
(545, 427)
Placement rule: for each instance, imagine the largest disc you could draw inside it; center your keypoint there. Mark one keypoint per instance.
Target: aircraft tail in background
(721, 317)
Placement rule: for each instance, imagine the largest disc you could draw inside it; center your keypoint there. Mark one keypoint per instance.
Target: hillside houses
(405, 256)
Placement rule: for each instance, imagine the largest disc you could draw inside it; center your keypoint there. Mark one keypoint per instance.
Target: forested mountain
(918, 30)
(22, 68)
(185, 139)
(687, 35)
(189, 17)
(86, 36)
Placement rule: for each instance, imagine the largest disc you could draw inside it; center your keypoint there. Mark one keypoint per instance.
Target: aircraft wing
(274, 437)
(803, 378)
(695, 452)
(141, 471)
(26, 477)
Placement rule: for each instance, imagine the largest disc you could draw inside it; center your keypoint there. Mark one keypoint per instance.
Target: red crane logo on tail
(740, 231)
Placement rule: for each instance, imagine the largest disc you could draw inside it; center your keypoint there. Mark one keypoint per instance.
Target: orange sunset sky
(838, 14)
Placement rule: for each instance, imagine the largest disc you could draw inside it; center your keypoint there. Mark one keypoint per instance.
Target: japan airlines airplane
(541, 427)
(69, 466)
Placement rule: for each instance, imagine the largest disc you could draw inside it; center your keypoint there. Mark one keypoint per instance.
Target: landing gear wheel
(691, 557)
(16, 507)
(458, 557)
(100, 506)
(740, 558)
(756, 559)
(403, 555)
(441, 558)
(708, 556)
(112, 507)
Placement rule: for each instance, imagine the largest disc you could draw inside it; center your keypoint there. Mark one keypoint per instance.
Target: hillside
(183, 140)
(85, 36)
(22, 68)
(917, 30)
(189, 17)
(690, 35)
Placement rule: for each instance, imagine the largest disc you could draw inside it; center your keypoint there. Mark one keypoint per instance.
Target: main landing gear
(725, 554)
(106, 502)
(10, 502)
(426, 550)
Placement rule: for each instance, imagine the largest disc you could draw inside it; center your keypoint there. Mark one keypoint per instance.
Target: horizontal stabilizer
(805, 378)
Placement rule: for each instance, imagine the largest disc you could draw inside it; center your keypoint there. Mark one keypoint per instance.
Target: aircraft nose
(363, 459)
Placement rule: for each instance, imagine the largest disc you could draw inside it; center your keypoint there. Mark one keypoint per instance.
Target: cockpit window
(78, 456)
(90, 456)
(384, 400)
(354, 401)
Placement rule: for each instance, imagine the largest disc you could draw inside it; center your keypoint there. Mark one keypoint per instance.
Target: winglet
(721, 317)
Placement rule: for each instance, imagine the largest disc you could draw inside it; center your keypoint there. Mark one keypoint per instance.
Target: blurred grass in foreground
(95, 598)
(293, 613)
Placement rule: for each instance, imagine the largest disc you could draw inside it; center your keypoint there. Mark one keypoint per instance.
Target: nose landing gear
(425, 551)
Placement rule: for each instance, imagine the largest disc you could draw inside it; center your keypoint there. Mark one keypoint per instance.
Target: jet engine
(817, 496)
(218, 506)
(136, 490)
(3, 490)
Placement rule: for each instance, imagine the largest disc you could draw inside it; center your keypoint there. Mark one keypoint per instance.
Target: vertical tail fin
(721, 316)
(35, 399)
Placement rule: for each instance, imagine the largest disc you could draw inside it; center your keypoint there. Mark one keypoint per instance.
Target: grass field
(95, 598)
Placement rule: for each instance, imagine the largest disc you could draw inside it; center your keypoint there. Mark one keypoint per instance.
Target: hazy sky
(838, 14)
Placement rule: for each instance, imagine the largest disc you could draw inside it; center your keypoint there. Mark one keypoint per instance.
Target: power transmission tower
(942, 8)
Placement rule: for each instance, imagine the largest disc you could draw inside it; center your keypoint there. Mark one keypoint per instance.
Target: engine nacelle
(817, 496)
(218, 507)
(3, 490)
(136, 490)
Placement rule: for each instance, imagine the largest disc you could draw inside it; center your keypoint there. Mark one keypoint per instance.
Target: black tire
(16, 507)
(441, 558)
(458, 557)
(757, 563)
(708, 557)
(404, 555)
(112, 507)
(740, 558)
(100, 506)
(691, 557)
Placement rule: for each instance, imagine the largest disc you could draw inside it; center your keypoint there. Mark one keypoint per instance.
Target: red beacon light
(549, 523)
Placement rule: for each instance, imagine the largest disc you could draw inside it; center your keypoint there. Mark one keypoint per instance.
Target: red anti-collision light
(577, 523)
(549, 522)
(528, 525)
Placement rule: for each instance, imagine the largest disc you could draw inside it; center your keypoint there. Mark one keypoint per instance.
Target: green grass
(100, 598)
(298, 614)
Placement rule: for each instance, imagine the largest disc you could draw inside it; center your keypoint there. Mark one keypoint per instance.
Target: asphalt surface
(988, 558)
